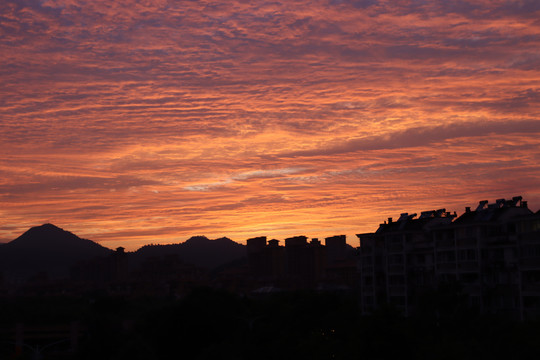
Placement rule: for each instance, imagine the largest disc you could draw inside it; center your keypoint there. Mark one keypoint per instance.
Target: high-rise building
(491, 254)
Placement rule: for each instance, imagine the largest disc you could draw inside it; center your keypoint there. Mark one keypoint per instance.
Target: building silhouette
(491, 255)
(487, 259)
(300, 264)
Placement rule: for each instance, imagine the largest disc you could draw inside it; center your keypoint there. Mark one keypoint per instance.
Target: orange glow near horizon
(131, 123)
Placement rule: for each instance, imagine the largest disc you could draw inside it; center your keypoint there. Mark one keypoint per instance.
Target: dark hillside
(49, 249)
(198, 250)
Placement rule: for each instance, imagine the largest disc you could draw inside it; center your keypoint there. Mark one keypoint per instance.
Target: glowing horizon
(138, 122)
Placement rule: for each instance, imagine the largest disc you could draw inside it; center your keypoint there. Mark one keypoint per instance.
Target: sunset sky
(135, 122)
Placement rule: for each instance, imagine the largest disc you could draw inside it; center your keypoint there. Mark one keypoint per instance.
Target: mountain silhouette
(197, 250)
(46, 248)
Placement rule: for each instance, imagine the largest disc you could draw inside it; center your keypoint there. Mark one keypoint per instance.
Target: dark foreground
(210, 324)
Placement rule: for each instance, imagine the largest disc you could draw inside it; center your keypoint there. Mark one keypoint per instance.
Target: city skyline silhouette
(419, 282)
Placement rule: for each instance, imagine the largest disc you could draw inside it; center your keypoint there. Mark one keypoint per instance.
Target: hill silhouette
(52, 250)
(46, 248)
(197, 250)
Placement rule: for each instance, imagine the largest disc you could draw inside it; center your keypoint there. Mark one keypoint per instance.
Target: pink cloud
(110, 112)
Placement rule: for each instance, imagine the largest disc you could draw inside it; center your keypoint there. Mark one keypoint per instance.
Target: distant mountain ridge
(197, 250)
(48, 248)
(47, 235)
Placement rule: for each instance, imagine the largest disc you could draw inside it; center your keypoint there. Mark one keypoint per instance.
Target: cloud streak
(426, 136)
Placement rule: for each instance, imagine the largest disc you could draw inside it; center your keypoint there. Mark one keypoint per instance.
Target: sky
(136, 122)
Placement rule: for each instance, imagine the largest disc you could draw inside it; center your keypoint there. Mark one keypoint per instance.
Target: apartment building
(300, 264)
(491, 253)
(397, 261)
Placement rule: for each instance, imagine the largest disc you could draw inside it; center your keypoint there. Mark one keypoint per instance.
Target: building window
(469, 278)
(397, 300)
(368, 300)
(446, 256)
(396, 280)
(395, 260)
(467, 255)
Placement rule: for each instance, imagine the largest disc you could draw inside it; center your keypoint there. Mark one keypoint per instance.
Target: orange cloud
(135, 122)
